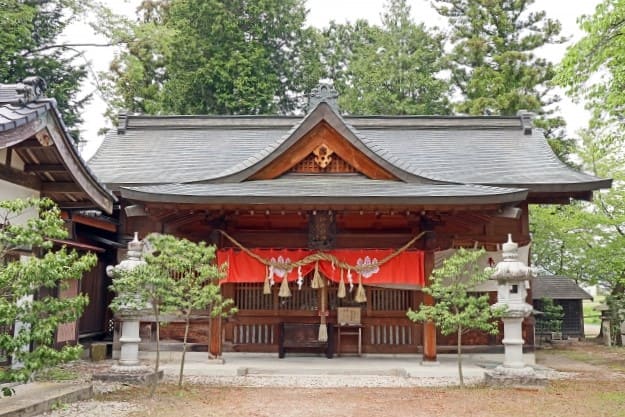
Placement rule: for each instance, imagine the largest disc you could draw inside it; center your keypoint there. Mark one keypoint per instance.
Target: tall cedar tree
(494, 65)
(29, 45)
(393, 69)
(216, 57)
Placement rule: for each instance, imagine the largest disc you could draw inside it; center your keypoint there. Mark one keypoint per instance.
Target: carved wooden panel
(337, 165)
(321, 230)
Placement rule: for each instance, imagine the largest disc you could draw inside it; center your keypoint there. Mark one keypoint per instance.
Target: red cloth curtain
(406, 268)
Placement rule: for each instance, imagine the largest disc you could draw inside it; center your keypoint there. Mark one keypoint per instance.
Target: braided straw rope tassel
(323, 328)
(361, 295)
(267, 286)
(317, 281)
(341, 293)
(285, 291)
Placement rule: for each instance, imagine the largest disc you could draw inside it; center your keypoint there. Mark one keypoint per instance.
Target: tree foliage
(179, 277)
(494, 65)
(552, 318)
(21, 301)
(392, 69)
(456, 310)
(30, 45)
(593, 69)
(493, 60)
(145, 287)
(586, 240)
(215, 57)
(195, 282)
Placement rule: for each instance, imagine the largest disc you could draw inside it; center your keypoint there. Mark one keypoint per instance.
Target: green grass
(56, 374)
(592, 316)
(616, 398)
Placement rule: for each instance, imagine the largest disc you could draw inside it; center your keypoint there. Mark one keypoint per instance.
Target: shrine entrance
(277, 290)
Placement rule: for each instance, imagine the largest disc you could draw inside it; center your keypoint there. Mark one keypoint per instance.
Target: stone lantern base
(135, 375)
(503, 376)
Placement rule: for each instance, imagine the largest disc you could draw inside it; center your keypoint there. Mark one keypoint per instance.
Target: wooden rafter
(18, 177)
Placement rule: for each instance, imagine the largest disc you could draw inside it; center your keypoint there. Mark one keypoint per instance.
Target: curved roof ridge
(322, 111)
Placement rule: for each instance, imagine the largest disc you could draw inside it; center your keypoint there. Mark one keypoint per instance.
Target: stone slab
(133, 377)
(40, 397)
(525, 378)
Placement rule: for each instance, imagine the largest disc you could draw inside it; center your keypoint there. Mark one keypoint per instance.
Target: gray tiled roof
(336, 188)
(463, 150)
(24, 103)
(13, 115)
(558, 288)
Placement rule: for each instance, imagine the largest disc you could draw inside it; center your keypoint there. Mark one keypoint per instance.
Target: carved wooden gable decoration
(323, 150)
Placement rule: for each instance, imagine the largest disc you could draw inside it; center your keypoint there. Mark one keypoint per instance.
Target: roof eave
(559, 191)
(507, 198)
(77, 168)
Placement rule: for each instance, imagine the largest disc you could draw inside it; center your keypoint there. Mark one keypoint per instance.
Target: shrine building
(352, 211)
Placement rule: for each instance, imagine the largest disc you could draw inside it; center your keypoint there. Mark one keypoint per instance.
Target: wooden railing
(254, 334)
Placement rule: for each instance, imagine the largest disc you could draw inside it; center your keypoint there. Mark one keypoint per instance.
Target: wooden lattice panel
(251, 297)
(384, 299)
(309, 166)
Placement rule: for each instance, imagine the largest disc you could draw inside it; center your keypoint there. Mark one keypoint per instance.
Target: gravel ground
(98, 408)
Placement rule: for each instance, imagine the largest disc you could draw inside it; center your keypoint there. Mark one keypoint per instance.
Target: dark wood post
(429, 328)
(214, 343)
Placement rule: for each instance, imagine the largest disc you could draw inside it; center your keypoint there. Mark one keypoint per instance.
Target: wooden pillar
(214, 343)
(429, 328)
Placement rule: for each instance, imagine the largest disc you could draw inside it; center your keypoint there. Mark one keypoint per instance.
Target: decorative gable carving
(323, 155)
(309, 165)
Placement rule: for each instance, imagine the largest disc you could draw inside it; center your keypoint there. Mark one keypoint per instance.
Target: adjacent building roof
(157, 158)
(32, 128)
(558, 288)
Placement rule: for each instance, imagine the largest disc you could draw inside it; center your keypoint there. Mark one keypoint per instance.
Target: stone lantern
(129, 340)
(512, 276)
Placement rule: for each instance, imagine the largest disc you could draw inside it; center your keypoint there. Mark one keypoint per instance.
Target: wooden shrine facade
(328, 184)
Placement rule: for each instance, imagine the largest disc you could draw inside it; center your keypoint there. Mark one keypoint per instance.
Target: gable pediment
(322, 149)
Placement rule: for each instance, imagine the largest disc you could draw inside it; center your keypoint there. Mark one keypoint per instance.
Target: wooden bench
(304, 337)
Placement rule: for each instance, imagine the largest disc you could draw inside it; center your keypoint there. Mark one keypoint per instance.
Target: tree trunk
(158, 350)
(460, 356)
(187, 324)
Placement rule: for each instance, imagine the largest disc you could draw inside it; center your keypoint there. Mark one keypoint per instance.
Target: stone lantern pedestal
(512, 276)
(128, 368)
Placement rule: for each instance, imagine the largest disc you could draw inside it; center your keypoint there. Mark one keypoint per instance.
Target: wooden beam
(21, 133)
(31, 143)
(61, 187)
(74, 205)
(45, 168)
(94, 222)
(18, 177)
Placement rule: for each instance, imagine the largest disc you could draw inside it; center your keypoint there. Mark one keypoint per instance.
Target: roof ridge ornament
(122, 122)
(323, 92)
(30, 89)
(527, 121)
